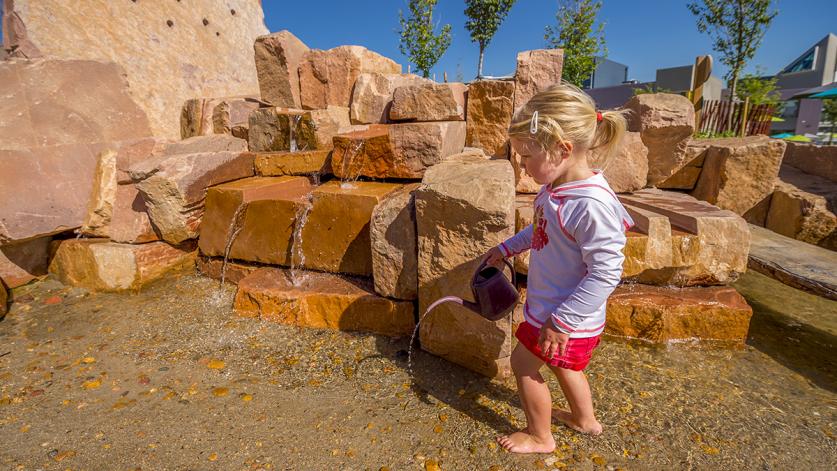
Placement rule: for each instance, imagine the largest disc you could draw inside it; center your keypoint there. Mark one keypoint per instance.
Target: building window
(806, 62)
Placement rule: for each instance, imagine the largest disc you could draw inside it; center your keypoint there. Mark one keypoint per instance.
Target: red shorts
(577, 354)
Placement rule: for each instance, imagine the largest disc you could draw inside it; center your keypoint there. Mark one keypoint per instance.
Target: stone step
(102, 265)
(661, 314)
(315, 162)
(234, 271)
(336, 235)
(263, 210)
(270, 128)
(322, 301)
(403, 150)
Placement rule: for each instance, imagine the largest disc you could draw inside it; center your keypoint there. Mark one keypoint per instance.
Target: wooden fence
(740, 117)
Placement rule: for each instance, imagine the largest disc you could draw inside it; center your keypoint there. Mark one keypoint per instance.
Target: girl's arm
(518, 243)
(601, 238)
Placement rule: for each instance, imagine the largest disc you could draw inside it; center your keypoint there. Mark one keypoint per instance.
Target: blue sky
(643, 34)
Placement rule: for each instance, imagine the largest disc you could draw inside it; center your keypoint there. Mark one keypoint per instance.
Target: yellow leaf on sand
(93, 384)
(213, 457)
(215, 364)
(438, 429)
(246, 397)
(220, 392)
(88, 360)
(431, 465)
(710, 450)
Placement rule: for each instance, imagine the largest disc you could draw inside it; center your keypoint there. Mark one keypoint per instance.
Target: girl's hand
(552, 340)
(494, 257)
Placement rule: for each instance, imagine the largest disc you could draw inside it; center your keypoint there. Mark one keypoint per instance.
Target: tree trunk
(732, 91)
(479, 67)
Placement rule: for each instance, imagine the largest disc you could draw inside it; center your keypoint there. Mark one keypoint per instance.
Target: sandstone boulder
(709, 245)
(373, 94)
(281, 129)
(811, 159)
(403, 150)
(661, 314)
(393, 235)
(277, 64)
(101, 265)
(208, 116)
(665, 123)
(686, 178)
(800, 215)
(315, 162)
(336, 236)
(650, 245)
(429, 102)
(168, 52)
(739, 172)
(627, 169)
(524, 183)
(175, 191)
(23, 262)
(324, 302)
(536, 71)
(463, 208)
(490, 108)
(327, 77)
(54, 125)
(232, 117)
(254, 218)
(524, 207)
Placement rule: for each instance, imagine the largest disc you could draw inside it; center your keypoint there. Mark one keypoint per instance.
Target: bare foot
(522, 442)
(593, 428)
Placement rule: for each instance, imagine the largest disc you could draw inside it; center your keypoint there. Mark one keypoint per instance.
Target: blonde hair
(563, 113)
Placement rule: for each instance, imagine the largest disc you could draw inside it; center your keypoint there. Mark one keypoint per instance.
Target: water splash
(297, 254)
(294, 122)
(236, 225)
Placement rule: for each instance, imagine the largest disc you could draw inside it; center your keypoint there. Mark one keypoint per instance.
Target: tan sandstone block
(336, 236)
(101, 265)
(261, 213)
(463, 209)
(627, 169)
(327, 77)
(403, 150)
(373, 94)
(429, 102)
(278, 56)
(315, 162)
(536, 71)
(738, 173)
(489, 116)
(666, 123)
(800, 215)
(323, 301)
(662, 314)
(213, 267)
(394, 252)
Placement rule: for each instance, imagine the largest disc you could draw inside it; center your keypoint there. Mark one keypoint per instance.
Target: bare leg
(577, 391)
(537, 404)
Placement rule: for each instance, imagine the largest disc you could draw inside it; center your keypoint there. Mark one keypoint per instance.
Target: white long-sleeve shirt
(576, 243)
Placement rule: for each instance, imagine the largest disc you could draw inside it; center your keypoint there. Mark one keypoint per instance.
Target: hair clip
(533, 125)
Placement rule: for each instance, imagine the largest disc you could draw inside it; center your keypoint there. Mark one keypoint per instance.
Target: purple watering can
(495, 295)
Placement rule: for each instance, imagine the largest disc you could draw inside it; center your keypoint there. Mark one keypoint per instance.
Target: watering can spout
(472, 306)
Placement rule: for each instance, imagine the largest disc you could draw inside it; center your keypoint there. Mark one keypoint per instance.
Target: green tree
(760, 90)
(484, 17)
(580, 38)
(736, 28)
(419, 42)
(829, 113)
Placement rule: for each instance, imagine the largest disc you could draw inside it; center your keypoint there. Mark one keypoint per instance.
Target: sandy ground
(170, 379)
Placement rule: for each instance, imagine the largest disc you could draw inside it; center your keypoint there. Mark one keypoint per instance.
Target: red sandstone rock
(278, 56)
(536, 71)
(373, 94)
(429, 102)
(489, 116)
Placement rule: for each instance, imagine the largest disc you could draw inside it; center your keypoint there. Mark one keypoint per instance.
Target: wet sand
(169, 379)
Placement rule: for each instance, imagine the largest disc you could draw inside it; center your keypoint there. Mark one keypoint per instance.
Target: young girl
(576, 261)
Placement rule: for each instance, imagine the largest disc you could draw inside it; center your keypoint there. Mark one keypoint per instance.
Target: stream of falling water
(236, 225)
(430, 308)
(292, 125)
(348, 181)
(297, 253)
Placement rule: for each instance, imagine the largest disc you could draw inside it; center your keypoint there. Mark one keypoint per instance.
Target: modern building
(671, 79)
(813, 68)
(608, 73)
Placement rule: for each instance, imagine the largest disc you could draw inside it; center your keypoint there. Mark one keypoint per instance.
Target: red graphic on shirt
(539, 237)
